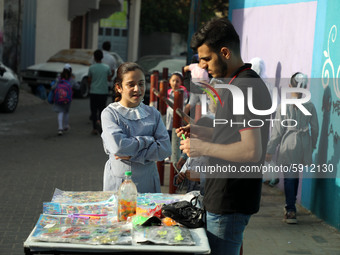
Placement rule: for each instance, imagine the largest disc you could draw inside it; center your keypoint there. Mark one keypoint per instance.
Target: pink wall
(279, 33)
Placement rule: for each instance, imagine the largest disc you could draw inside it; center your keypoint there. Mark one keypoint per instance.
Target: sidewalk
(267, 234)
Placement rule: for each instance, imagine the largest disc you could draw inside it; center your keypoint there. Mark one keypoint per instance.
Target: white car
(9, 89)
(80, 61)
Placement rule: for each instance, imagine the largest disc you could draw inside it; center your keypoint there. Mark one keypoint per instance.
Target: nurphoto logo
(239, 103)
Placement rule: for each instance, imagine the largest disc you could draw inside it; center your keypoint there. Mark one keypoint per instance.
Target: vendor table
(34, 246)
(199, 236)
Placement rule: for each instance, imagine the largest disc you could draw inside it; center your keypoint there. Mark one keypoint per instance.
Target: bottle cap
(128, 173)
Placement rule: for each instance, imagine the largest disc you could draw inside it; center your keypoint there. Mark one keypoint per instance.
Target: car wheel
(11, 100)
(84, 88)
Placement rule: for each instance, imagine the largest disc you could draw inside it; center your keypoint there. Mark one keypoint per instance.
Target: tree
(173, 15)
(165, 16)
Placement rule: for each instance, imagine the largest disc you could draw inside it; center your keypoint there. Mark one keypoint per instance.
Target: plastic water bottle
(127, 198)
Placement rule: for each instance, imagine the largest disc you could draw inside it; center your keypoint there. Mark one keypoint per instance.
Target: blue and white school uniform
(137, 132)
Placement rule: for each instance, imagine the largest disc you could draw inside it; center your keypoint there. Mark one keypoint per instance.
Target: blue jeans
(291, 185)
(225, 232)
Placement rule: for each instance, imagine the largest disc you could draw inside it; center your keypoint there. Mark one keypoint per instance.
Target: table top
(199, 236)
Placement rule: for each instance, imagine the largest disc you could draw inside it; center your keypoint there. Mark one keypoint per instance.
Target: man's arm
(249, 149)
(186, 68)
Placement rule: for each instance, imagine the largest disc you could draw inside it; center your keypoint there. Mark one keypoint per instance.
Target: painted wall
(324, 199)
(301, 35)
(279, 39)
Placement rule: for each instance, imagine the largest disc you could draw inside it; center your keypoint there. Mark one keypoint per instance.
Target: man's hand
(183, 130)
(193, 147)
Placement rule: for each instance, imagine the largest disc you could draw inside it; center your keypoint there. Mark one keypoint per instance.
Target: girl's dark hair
(121, 71)
(65, 74)
(178, 74)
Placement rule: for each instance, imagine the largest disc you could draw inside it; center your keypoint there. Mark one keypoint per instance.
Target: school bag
(63, 92)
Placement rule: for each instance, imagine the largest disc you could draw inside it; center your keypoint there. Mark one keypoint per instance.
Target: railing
(158, 99)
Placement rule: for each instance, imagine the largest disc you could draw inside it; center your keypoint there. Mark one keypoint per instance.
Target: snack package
(109, 208)
(163, 235)
(45, 220)
(117, 233)
(77, 197)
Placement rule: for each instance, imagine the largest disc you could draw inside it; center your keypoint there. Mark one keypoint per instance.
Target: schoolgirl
(134, 135)
(297, 143)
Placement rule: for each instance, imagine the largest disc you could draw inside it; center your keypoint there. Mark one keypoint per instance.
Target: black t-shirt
(238, 193)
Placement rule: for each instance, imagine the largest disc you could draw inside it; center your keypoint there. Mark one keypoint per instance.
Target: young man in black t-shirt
(238, 138)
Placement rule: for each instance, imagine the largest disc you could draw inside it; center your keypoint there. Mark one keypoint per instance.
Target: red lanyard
(238, 74)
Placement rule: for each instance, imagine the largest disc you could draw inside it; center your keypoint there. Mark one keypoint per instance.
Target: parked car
(151, 63)
(9, 89)
(80, 61)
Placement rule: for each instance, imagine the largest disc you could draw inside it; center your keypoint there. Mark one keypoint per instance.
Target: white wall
(52, 28)
(178, 44)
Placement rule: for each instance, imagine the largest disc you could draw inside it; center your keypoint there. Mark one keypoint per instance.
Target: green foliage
(173, 15)
(213, 8)
(165, 16)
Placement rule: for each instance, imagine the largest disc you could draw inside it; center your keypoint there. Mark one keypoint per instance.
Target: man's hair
(106, 46)
(98, 55)
(217, 33)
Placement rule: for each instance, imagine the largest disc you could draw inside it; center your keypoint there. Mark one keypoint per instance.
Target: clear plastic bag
(117, 233)
(163, 235)
(61, 196)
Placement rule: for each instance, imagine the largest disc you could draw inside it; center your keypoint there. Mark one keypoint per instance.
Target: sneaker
(60, 132)
(67, 128)
(290, 217)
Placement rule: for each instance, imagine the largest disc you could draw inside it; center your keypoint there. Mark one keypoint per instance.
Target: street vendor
(229, 199)
(134, 135)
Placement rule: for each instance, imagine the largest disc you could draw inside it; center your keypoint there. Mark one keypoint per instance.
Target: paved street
(35, 161)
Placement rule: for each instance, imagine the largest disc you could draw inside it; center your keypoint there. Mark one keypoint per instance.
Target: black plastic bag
(185, 213)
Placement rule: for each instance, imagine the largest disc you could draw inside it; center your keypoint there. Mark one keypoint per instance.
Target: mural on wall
(325, 193)
(302, 35)
(330, 105)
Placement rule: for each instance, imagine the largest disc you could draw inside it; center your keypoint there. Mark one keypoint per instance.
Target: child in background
(64, 108)
(198, 74)
(296, 143)
(99, 75)
(134, 135)
(176, 82)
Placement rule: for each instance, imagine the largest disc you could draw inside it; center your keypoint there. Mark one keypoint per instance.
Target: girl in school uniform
(297, 143)
(176, 82)
(134, 135)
